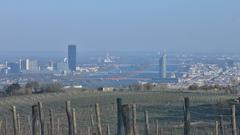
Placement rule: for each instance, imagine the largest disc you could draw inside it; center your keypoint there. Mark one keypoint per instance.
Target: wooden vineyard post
(234, 126)
(134, 115)
(74, 121)
(58, 127)
(147, 128)
(48, 129)
(5, 126)
(113, 106)
(41, 118)
(51, 122)
(89, 131)
(119, 117)
(92, 120)
(216, 128)
(157, 128)
(69, 117)
(34, 120)
(30, 124)
(92, 123)
(1, 123)
(221, 126)
(99, 127)
(108, 130)
(186, 116)
(161, 131)
(127, 119)
(15, 126)
(18, 123)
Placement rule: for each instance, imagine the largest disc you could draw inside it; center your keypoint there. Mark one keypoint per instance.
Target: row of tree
(229, 88)
(144, 86)
(31, 88)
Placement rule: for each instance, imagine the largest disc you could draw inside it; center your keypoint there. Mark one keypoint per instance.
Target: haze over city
(126, 67)
(190, 26)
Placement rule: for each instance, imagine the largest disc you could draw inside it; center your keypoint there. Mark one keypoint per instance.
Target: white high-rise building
(29, 65)
(163, 65)
(32, 66)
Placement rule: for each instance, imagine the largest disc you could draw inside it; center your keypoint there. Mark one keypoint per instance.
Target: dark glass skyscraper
(72, 57)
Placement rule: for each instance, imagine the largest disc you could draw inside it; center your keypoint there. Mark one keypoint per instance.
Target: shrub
(193, 87)
(11, 89)
(52, 87)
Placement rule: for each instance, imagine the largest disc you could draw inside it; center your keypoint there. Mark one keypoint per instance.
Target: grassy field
(163, 106)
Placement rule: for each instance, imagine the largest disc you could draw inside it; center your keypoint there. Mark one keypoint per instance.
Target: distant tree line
(30, 88)
(229, 88)
(145, 86)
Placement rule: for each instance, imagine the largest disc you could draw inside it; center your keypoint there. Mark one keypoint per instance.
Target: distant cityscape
(175, 70)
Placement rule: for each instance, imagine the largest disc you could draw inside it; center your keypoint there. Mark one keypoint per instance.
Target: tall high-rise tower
(163, 65)
(72, 57)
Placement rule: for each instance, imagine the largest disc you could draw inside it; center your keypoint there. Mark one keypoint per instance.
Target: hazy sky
(125, 25)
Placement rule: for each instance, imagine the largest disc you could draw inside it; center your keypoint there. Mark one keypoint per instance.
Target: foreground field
(166, 107)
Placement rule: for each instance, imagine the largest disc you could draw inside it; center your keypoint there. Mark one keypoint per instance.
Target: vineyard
(157, 113)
